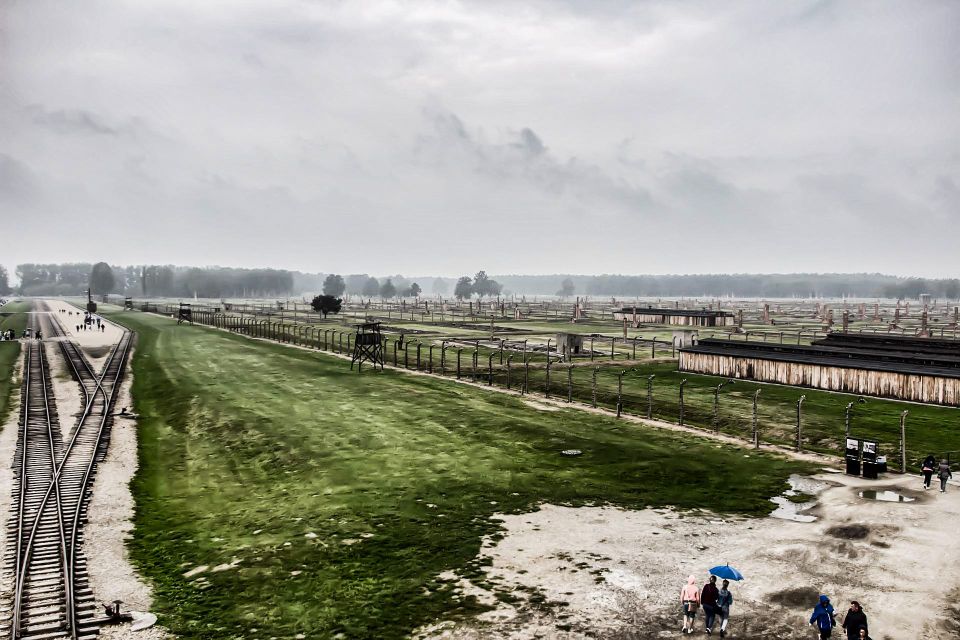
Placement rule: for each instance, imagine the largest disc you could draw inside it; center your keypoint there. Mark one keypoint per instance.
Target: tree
(464, 288)
(4, 281)
(415, 290)
(371, 287)
(326, 304)
(101, 278)
(566, 288)
(484, 286)
(334, 285)
(388, 290)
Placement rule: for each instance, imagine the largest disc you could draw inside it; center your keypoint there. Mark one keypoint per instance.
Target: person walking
(822, 618)
(724, 600)
(863, 635)
(708, 600)
(855, 620)
(929, 464)
(690, 600)
(944, 474)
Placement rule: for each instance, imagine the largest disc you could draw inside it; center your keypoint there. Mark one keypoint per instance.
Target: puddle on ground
(787, 510)
(884, 496)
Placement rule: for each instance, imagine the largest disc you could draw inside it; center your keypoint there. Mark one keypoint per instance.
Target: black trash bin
(869, 454)
(852, 455)
(853, 466)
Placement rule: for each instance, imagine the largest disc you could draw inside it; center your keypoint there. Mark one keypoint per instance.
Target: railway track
(54, 477)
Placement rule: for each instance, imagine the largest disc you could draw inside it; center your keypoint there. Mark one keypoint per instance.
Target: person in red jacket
(708, 600)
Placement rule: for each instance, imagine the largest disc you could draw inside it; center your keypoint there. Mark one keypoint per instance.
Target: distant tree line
(223, 282)
(153, 280)
(803, 285)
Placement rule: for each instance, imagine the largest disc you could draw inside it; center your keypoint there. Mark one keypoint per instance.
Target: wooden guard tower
(368, 345)
(184, 314)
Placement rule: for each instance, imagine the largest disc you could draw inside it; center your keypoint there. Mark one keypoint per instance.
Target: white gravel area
(8, 448)
(613, 573)
(95, 344)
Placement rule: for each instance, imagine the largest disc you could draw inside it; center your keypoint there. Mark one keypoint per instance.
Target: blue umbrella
(726, 572)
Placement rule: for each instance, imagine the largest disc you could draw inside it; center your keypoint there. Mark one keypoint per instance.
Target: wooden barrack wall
(886, 384)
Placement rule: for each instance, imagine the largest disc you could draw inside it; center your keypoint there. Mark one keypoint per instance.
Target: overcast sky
(423, 137)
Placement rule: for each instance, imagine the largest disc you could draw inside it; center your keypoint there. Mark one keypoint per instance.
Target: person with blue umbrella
(724, 597)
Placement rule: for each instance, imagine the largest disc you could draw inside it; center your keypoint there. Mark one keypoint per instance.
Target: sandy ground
(8, 448)
(612, 573)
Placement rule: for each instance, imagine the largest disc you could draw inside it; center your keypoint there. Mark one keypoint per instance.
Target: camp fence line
(558, 380)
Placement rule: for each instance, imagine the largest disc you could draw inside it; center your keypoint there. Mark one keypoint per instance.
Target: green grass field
(337, 498)
(930, 428)
(12, 316)
(9, 352)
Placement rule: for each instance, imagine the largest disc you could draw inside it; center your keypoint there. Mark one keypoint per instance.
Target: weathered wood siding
(683, 321)
(886, 384)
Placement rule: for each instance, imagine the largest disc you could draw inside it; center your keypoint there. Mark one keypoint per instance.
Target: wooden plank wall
(683, 321)
(886, 384)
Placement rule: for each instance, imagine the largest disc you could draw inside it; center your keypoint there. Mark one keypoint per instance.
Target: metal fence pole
(903, 442)
(526, 374)
(596, 370)
(650, 396)
(756, 429)
(546, 388)
(682, 383)
(570, 383)
(620, 392)
(799, 420)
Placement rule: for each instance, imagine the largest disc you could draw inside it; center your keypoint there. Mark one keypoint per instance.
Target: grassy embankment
(249, 450)
(930, 429)
(12, 316)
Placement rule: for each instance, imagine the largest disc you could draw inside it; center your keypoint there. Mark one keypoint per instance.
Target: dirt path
(612, 573)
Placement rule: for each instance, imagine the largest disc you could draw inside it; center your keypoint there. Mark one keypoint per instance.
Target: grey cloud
(244, 134)
(71, 121)
(18, 185)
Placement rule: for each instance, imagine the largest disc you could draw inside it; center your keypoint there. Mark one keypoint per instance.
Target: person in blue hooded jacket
(822, 618)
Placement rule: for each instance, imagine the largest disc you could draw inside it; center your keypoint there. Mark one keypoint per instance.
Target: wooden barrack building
(902, 368)
(681, 317)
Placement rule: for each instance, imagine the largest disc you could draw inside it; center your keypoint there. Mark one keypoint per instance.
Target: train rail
(54, 477)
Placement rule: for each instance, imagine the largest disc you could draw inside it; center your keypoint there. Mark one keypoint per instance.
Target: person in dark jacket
(928, 466)
(944, 474)
(855, 620)
(708, 600)
(822, 618)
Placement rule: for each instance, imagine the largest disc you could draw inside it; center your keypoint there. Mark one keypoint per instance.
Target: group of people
(715, 602)
(854, 624)
(942, 470)
(90, 322)
(10, 334)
